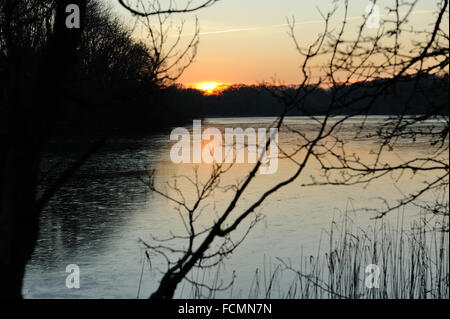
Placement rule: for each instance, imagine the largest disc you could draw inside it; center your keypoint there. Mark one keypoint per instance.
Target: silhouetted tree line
(257, 100)
(177, 105)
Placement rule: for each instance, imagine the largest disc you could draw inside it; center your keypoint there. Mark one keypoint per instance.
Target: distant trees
(257, 100)
(122, 70)
(115, 63)
(111, 59)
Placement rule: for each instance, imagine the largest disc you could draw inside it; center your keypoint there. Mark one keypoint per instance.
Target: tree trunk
(167, 287)
(27, 128)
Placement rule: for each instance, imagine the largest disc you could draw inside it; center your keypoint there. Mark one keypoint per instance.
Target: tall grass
(412, 262)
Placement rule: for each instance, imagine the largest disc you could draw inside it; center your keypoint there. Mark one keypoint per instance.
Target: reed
(413, 263)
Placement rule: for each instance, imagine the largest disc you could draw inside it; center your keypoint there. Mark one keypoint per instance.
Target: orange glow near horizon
(209, 87)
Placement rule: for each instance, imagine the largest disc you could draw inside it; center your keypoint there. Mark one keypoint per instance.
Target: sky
(247, 41)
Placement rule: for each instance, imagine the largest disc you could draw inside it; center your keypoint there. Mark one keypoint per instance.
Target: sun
(210, 88)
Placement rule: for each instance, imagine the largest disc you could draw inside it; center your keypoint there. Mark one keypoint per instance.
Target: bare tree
(396, 59)
(134, 6)
(359, 71)
(169, 57)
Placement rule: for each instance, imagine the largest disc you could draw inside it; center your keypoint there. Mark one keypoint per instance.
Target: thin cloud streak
(243, 29)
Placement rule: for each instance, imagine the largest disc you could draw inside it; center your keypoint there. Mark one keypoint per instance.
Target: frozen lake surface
(97, 218)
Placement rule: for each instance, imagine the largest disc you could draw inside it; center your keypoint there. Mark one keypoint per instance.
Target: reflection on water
(96, 219)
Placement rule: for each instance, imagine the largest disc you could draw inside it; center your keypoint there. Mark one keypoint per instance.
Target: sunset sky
(247, 41)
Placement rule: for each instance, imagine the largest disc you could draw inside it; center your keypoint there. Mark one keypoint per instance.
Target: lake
(96, 220)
